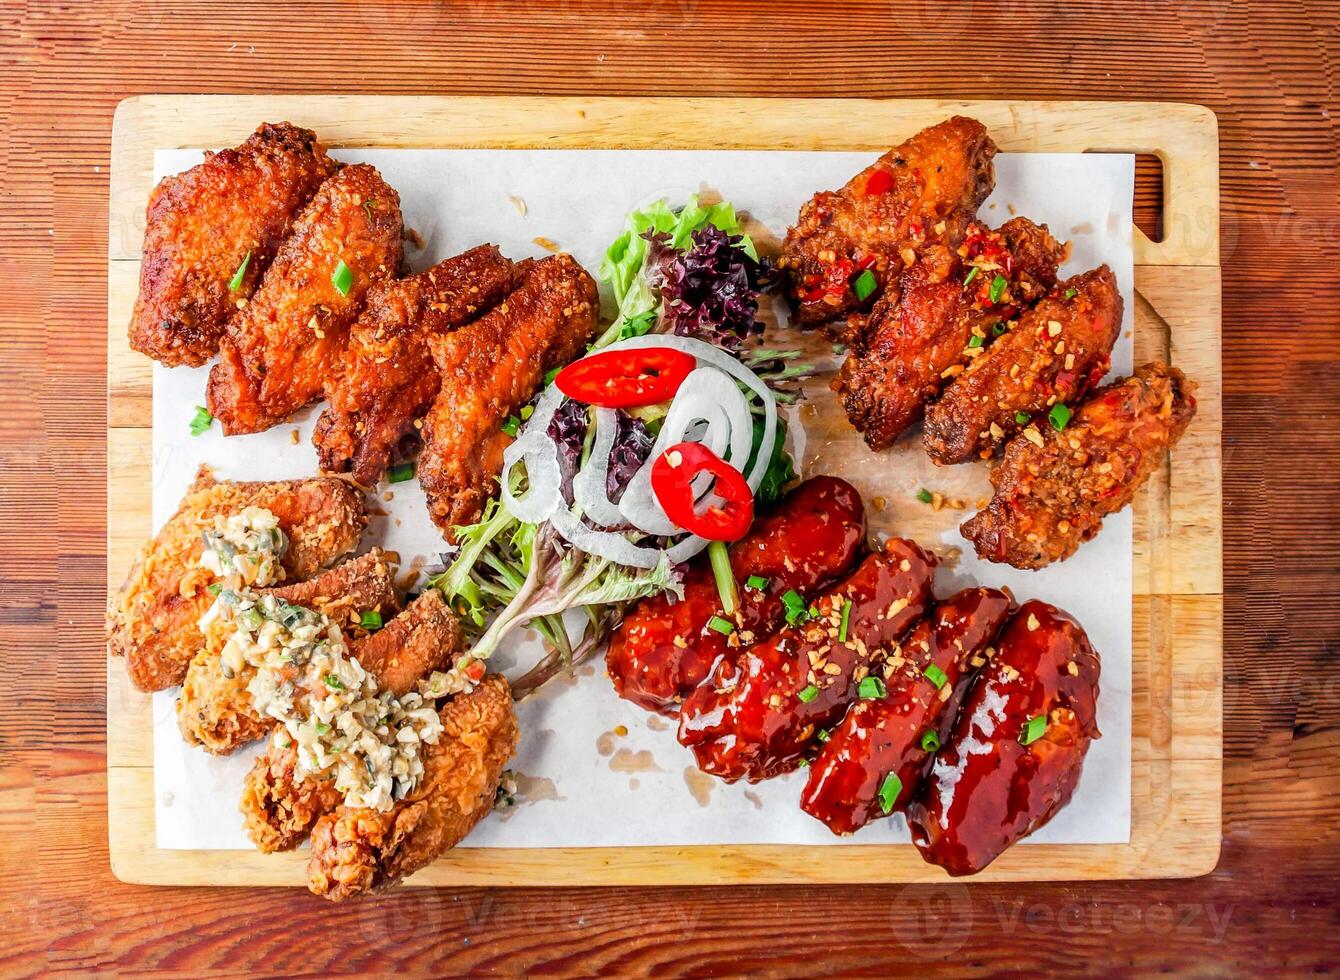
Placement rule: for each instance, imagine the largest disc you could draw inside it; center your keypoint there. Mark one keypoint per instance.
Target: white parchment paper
(582, 781)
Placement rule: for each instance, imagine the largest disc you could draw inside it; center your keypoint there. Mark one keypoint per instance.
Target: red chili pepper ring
(626, 378)
(672, 476)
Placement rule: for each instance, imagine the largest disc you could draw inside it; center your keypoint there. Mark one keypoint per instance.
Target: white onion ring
(544, 476)
(590, 487)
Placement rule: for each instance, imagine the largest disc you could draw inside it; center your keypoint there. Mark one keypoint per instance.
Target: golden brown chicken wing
(490, 369)
(279, 808)
(227, 214)
(941, 313)
(356, 849)
(386, 379)
(921, 193)
(1051, 356)
(151, 621)
(1053, 489)
(280, 348)
(215, 711)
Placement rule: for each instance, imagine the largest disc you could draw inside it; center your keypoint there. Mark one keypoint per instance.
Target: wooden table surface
(1268, 71)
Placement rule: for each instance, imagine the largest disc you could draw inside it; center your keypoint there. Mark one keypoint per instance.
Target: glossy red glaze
(986, 789)
(883, 735)
(811, 538)
(756, 715)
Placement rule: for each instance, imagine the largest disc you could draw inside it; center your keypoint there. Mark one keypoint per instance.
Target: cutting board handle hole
(1150, 188)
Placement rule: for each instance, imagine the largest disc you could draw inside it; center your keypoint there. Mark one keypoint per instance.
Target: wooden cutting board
(1177, 607)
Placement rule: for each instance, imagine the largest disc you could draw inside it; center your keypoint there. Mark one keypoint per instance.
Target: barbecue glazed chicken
(920, 194)
(938, 316)
(211, 232)
(1053, 488)
(291, 335)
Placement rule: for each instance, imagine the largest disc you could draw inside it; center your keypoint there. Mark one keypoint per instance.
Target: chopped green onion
(1059, 417)
(235, 283)
(371, 620)
(889, 791)
(368, 205)
(975, 341)
(526, 412)
(722, 626)
(550, 375)
(214, 589)
(719, 556)
(846, 615)
(972, 274)
(930, 740)
(808, 694)
(400, 473)
(871, 688)
(925, 496)
(997, 328)
(935, 675)
(333, 682)
(1023, 418)
(1033, 730)
(342, 278)
(803, 764)
(201, 421)
(756, 582)
(322, 728)
(998, 285)
(794, 603)
(1071, 292)
(511, 425)
(865, 284)
(823, 735)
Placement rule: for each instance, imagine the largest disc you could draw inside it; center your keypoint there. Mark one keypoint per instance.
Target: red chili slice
(672, 477)
(626, 378)
(880, 182)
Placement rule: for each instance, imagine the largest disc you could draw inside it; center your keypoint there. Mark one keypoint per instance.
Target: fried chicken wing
(1052, 493)
(280, 348)
(151, 621)
(386, 379)
(941, 313)
(490, 369)
(921, 193)
(356, 849)
(202, 226)
(215, 711)
(278, 807)
(1053, 354)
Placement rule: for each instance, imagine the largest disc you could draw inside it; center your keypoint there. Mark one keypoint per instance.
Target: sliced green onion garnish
(975, 341)
(1059, 417)
(214, 589)
(322, 728)
(846, 615)
(400, 472)
(201, 421)
(511, 425)
(888, 792)
(722, 626)
(823, 735)
(1033, 730)
(371, 620)
(865, 284)
(930, 740)
(1071, 292)
(719, 556)
(972, 274)
(935, 675)
(998, 285)
(756, 582)
(795, 607)
(925, 496)
(803, 764)
(526, 412)
(550, 375)
(235, 283)
(808, 694)
(1023, 418)
(871, 688)
(333, 682)
(997, 328)
(342, 278)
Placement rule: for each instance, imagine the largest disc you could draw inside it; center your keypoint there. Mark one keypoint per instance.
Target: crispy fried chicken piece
(386, 380)
(151, 621)
(1052, 495)
(215, 711)
(1052, 355)
(355, 849)
(923, 192)
(490, 369)
(279, 808)
(280, 348)
(201, 226)
(926, 322)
